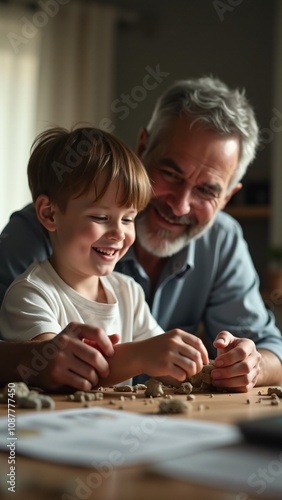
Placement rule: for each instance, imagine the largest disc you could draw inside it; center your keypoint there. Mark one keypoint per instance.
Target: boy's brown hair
(67, 164)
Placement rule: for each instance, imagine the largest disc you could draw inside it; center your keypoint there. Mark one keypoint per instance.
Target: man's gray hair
(211, 104)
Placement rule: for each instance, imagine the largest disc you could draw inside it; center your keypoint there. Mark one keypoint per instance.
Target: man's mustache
(164, 211)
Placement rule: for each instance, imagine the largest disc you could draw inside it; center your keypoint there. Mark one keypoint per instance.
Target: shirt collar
(179, 262)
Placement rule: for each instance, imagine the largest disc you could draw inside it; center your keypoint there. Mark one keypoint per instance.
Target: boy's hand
(237, 365)
(73, 361)
(176, 354)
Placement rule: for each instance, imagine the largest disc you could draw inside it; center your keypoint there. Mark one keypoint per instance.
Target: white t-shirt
(39, 301)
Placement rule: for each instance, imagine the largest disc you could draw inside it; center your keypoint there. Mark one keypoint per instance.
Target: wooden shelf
(249, 211)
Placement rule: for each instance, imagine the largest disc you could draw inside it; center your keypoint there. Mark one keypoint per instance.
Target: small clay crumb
(111, 402)
(201, 407)
(211, 395)
(248, 401)
(191, 397)
(274, 396)
(132, 397)
(275, 402)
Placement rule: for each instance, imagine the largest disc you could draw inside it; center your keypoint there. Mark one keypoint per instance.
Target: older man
(189, 256)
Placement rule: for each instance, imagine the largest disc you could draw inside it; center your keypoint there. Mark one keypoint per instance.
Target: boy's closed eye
(104, 218)
(99, 218)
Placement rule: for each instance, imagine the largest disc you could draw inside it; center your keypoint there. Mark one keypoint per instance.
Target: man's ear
(229, 196)
(141, 142)
(45, 212)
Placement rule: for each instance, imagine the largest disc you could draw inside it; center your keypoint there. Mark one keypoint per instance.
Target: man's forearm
(11, 357)
(271, 369)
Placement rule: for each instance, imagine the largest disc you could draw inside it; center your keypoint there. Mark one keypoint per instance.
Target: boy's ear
(45, 212)
(141, 142)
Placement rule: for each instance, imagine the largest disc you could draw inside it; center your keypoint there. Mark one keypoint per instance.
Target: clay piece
(154, 388)
(184, 388)
(139, 387)
(202, 381)
(36, 400)
(20, 390)
(275, 390)
(174, 406)
(46, 401)
(82, 396)
(25, 398)
(123, 388)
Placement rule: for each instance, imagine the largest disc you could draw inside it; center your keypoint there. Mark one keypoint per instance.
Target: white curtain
(18, 88)
(56, 68)
(76, 71)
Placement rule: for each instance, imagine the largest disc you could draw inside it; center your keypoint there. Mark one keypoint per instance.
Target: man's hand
(75, 357)
(237, 365)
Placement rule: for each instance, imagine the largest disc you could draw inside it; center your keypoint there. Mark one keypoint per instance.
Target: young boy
(87, 188)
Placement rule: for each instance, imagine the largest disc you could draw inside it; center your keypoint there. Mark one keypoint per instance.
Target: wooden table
(38, 480)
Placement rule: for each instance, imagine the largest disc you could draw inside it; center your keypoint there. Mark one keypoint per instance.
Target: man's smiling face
(190, 170)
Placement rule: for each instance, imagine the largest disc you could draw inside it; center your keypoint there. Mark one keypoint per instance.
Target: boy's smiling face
(90, 237)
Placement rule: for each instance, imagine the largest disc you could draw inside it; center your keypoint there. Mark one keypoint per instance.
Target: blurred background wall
(106, 62)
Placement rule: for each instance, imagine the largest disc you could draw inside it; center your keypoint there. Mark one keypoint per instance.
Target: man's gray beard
(160, 242)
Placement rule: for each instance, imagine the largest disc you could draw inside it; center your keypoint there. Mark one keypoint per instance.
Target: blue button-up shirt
(211, 282)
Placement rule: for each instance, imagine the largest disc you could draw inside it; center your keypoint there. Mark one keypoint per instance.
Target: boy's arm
(175, 354)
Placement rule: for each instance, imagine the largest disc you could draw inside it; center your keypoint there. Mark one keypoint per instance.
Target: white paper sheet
(93, 436)
(247, 469)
